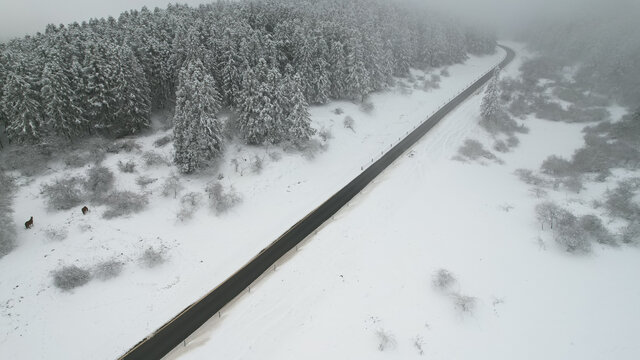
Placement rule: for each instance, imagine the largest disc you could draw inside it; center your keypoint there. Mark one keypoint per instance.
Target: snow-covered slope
(367, 275)
(102, 319)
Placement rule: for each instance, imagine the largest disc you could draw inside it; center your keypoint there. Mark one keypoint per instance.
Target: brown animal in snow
(29, 223)
(85, 210)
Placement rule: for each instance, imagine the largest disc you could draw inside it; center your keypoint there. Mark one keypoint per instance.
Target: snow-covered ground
(102, 319)
(367, 274)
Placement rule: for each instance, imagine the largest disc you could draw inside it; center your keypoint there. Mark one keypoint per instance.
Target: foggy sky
(21, 17)
(26, 17)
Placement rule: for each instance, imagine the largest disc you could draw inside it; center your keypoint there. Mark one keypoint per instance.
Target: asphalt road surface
(170, 335)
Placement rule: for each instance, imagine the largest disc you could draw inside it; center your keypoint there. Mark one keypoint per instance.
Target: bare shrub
(257, 164)
(338, 111)
(569, 234)
(63, 194)
(500, 146)
(127, 167)
(463, 303)
(162, 141)
(98, 183)
(473, 149)
(631, 233)
(513, 141)
(275, 156)
(189, 204)
(573, 183)
(311, 148)
(128, 145)
(13, 158)
(557, 166)
(325, 134)
(348, 123)
(151, 258)
(595, 230)
(547, 213)
(221, 200)
(172, 186)
(443, 279)
(123, 203)
(79, 159)
(418, 342)
(386, 340)
(528, 177)
(445, 72)
(143, 181)
(367, 107)
(7, 225)
(152, 158)
(54, 234)
(108, 269)
(619, 201)
(70, 277)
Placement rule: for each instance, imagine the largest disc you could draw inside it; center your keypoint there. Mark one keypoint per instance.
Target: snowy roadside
(107, 317)
(362, 286)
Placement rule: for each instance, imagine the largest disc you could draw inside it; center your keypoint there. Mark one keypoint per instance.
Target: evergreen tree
(197, 130)
(357, 79)
(133, 105)
(297, 122)
(490, 106)
(62, 116)
(21, 106)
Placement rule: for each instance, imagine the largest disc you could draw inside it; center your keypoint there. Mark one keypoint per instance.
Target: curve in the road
(190, 319)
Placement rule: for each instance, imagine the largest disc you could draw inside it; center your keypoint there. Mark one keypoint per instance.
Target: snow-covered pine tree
(197, 130)
(133, 105)
(337, 71)
(62, 116)
(21, 106)
(357, 79)
(490, 106)
(258, 111)
(297, 122)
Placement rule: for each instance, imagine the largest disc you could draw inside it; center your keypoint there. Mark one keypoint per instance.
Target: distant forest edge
(266, 60)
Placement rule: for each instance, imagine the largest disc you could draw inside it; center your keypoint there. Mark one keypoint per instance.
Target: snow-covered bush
(121, 203)
(128, 145)
(338, 111)
(162, 141)
(99, 182)
(569, 234)
(463, 303)
(595, 230)
(221, 200)
(257, 164)
(14, 158)
(528, 177)
(143, 180)
(473, 150)
(367, 107)
(443, 279)
(127, 167)
(79, 159)
(108, 269)
(631, 233)
(151, 258)
(547, 213)
(70, 277)
(557, 166)
(189, 204)
(7, 225)
(152, 158)
(500, 146)
(619, 201)
(172, 186)
(325, 134)
(348, 123)
(56, 234)
(386, 340)
(445, 72)
(63, 194)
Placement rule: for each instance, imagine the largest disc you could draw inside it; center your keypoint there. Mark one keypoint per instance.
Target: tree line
(266, 60)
